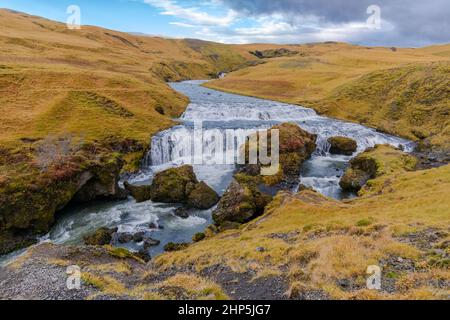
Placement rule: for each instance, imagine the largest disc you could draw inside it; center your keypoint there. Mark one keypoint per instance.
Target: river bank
(218, 112)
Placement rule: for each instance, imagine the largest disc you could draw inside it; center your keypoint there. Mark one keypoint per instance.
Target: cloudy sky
(370, 22)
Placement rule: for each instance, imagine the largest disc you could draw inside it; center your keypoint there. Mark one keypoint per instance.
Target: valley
(83, 111)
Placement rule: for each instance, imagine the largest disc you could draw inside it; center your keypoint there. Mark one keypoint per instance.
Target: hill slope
(44, 68)
(81, 103)
(401, 91)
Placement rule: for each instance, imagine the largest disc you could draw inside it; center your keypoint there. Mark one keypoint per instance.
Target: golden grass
(195, 286)
(48, 76)
(404, 92)
(332, 243)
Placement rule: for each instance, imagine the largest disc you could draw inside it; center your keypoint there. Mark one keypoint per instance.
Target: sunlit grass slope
(94, 82)
(322, 245)
(401, 91)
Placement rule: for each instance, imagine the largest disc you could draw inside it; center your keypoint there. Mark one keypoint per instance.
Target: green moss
(364, 222)
(171, 186)
(392, 275)
(375, 162)
(202, 197)
(171, 246)
(122, 253)
(198, 237)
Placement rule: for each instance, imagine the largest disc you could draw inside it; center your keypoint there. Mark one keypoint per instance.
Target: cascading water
(219, 113)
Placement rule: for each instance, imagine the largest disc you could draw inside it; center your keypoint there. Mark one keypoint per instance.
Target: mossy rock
(139, 193)
(173, 185)
(202, 197)
(171, 246)
(29, 202)
(198, 237)
(101, 237)
(342, 145)
(373, 163)
(295, 146)
(241, 203)
(354, 179)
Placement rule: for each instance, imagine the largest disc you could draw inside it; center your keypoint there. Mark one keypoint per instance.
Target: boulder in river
(150, 242)
(354, 179)
(181, 213)
(101, 237)
(295, 146)
(138, 237)
(176, 185)
(140, 193)
(202, 197)
(240, 204)
(124, 237)
(342, 145)
(173, 185)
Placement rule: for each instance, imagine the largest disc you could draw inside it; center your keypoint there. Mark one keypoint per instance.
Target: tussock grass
(337, 240)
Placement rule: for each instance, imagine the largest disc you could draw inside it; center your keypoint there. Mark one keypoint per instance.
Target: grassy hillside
(54, 80)
(305, 246)
(323, 247)
(401, 91)
(82, 102)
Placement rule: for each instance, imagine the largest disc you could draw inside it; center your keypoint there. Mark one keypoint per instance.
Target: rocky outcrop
(202, 197)
(274, 53)
(181, 213)
(295, 147)
(27, 210)
(342, 145)
(173, 185)
(354, 179)
(373, 163)
(176, 185)
(241, 203)
(101, 237)
(251, 191)
(139, 193)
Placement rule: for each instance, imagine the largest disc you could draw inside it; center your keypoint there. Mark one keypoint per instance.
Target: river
(218, 112)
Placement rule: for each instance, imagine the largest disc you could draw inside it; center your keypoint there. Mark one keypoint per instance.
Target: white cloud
(183, 25)
(194, 15)
(248, 22)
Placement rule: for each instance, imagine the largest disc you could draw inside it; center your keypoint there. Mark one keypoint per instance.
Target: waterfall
(177, 145)
(267, 111)
(228, 120)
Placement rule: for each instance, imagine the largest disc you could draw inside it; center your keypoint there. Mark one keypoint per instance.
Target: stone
(173, 185)
(150, 242)
(240, 204)
(353, 180)
(124, 237)
(138, 237)
(101, 237)
(139, 193)
(181, 213)
(295, 146)
(342, 145)
(202, 197)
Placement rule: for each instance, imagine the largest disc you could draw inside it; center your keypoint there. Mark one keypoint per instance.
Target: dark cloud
(408, 22)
